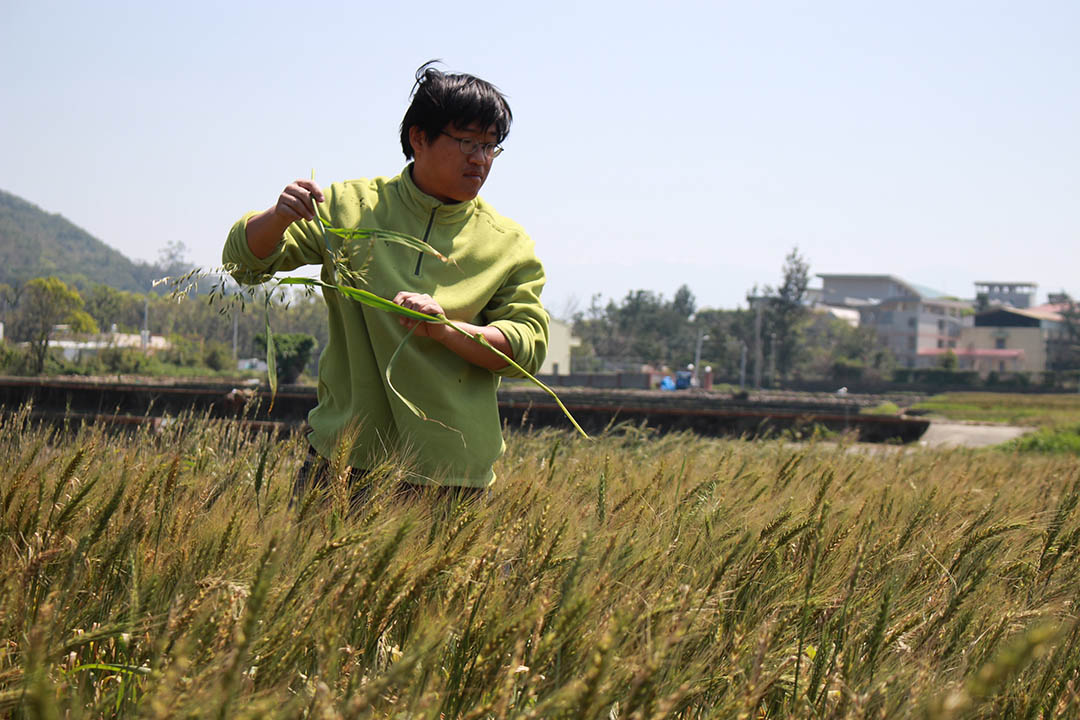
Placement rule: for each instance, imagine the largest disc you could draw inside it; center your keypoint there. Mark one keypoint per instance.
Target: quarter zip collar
(424, 205)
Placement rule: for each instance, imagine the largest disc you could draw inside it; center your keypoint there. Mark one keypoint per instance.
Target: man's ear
(417, 138)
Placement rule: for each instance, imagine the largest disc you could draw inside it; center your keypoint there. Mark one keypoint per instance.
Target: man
(491, 285)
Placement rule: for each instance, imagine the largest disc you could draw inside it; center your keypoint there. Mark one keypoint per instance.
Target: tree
(725, 333)
(785, 314)
(43, 304)
(788, 311)
(644, 328)
(291, 353)
(109, 307)
(948, 360)
(1064, 349)
(834, 349)
(172, 259)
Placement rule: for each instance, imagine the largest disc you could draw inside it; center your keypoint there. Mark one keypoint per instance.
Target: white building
(74, 348)
(915, 322)
(560, 340)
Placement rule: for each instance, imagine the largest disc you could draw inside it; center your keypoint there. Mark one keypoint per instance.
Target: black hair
(440, 99)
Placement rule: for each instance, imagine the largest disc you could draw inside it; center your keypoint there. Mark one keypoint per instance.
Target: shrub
(12, 359)
(1049, 440)
(885, 408)
(123, 361)
(217, 356)
(291, 352)
(846, 371)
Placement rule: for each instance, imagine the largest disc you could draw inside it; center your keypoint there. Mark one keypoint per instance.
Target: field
(631, 576)
(1032, 410)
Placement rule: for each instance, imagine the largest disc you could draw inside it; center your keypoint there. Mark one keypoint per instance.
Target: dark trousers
(315, 473)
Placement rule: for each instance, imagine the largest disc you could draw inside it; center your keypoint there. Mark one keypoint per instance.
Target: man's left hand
(420, 302)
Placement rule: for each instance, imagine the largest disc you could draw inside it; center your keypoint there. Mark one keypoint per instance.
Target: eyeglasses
(491, 150)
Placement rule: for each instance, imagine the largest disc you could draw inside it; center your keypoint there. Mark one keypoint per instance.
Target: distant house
(73, 347)
(915, 322)
(560, 340)
(1007, 339)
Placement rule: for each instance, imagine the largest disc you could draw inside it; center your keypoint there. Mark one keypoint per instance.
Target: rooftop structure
(1014, 294)
(862, 290)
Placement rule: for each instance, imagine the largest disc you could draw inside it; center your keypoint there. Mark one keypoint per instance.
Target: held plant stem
(375, 301)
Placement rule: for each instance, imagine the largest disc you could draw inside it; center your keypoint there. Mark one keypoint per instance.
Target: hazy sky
(654, 144)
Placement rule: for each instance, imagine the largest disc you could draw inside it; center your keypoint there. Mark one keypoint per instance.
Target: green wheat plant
(160, 572)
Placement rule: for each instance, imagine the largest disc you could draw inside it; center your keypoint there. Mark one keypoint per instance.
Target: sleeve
(517, 312)
(300, 245)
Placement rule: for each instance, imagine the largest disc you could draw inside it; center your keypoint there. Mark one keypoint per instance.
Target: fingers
(297, 200)
(406, 300)
(420, 302)
(426, 304)
(313, 188)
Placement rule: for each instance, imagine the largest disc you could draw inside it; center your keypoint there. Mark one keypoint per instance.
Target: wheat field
(161, 573)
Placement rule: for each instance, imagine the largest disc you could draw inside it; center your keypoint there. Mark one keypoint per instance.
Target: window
(911, 322)
(911, 343)
(941, 326)
(999, 344)
(940, 343)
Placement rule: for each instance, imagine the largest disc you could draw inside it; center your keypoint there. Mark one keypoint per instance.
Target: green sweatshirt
(493, 278)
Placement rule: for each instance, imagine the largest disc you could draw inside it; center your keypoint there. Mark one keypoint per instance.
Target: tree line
(201, 334)
(776, 337)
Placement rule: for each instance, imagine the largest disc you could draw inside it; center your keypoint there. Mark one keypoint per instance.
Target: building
(857, 291)
(560, 340)
(918, 324)
(75, 348)
(1014, 294)
(1008, 340)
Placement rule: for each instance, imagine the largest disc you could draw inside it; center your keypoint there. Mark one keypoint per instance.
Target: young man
(491, 285)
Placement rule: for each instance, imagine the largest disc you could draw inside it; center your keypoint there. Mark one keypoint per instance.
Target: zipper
(427, 231)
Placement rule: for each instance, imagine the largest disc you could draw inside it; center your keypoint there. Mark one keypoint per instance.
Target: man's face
(442, 170)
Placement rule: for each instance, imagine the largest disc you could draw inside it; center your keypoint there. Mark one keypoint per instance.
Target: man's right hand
(296, 202)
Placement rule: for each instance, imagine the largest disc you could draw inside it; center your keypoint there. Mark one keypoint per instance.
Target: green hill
(34, 243)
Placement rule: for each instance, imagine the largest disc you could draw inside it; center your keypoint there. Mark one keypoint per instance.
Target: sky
(653, 144)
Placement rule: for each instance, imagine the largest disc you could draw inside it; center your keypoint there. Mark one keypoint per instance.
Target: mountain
(34, 243)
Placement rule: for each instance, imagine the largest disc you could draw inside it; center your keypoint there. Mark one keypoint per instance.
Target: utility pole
(702, 336)
(772, 361)
(145, 334)
(758, 350)
(742, 368)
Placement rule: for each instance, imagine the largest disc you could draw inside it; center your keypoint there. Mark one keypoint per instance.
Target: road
(954, 434)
